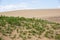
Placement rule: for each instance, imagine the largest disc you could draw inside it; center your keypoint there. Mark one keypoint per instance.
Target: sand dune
(48, 14)
(38, 13)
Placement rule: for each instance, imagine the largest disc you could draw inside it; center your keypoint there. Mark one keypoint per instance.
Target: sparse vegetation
(25, 27)
(56, 26)
(57, 37)
(49, 34)
(1, 38)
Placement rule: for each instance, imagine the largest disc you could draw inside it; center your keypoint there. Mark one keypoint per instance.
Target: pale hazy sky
(6, 5)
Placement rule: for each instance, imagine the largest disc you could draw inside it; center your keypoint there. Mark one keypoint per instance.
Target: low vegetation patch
(26, 28)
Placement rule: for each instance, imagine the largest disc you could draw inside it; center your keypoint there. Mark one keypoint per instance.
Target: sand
(33, 13)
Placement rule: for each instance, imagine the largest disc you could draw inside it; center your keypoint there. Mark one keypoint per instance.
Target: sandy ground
(54, 19)
(48, 14)
(33, 13)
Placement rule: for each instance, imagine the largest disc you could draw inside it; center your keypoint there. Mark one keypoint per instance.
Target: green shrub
(1, 38)
(49, 34)
(57, 37)
(56, 26)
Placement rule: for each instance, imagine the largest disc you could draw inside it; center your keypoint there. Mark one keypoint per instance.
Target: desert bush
(57, 37)
(49, 34)
(56, 26)
(1, 38)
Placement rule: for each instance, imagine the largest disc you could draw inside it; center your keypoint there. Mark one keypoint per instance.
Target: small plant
(49, 34)
(56, 26)
(29, 37)
(1, 38)
(13, 37)
(57, 36)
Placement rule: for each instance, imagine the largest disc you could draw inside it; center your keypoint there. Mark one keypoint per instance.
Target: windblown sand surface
(33, 13)
(48, 14)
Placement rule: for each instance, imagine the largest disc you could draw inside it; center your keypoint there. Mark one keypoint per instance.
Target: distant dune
(38, 13)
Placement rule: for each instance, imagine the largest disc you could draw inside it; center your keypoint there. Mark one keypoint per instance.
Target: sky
(9, 5)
